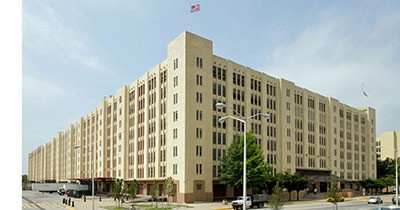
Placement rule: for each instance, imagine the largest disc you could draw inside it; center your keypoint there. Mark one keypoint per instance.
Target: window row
(238, 79)
(152, 83)
(238, 95)
(219, 89)
(218, 154)
(255, 85)
(219, 138)
(219, 73)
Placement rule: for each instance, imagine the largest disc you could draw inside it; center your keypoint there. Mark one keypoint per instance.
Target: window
(175, 116)
(199, 169)
(175, 98)
(199, 151)
(214, 154)
(175, 81)
(175, 63)
(199, 133)
(199, 80)
(199, 115)
(175, 151)
(175, 133)
(175, 169)
(199, 62)
(199, 97)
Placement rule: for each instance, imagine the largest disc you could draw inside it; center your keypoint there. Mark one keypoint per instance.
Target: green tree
(24, 181)
(334, 195)
(232, 164)
(133, 189)
(258, 171)
(118, 191)
(276, 199)
(293, 182)
(385, 167)
(368, 184)
(270, 184)
(386, 170)
(387, 181)
(169, 189)
(154, 193)
(302, 183)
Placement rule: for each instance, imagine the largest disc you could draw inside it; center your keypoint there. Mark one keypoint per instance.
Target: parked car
(61, 191)
(375, 200)
(255, 200)
(394, 200)
(339, 198)
(78, 193)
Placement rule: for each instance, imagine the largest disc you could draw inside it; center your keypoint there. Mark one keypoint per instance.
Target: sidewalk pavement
(79, 203)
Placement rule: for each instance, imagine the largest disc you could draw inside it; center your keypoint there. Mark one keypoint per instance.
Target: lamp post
(243, 120)
(91, 150)
(397, 180)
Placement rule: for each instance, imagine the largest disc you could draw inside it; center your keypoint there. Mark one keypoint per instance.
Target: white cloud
(334, 56)
(39, 91)
(44, 31)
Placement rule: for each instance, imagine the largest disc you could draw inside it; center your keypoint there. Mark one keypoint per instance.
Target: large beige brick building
(388, 140)
(165, 124)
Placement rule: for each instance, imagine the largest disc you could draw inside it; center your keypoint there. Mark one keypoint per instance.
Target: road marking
(29, 206)
(27, 199)
(44, 206)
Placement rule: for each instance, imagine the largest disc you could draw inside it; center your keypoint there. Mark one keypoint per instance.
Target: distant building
(389, 142)
(165, 124)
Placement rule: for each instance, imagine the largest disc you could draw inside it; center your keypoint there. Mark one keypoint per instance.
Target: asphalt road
(360, 203)
(33, 200)
(42, 201)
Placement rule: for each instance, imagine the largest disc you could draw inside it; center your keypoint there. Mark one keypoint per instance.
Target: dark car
(394, 200)
(61, 191)
(78, 193)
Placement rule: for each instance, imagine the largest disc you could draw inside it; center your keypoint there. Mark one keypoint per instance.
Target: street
(37, 200)
(45, 201)
(359, 203)
(348, 205)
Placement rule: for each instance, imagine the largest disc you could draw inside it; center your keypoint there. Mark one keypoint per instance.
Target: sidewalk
(79, 203)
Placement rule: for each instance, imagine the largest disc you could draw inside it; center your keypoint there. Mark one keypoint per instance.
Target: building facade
(388, 142)
(165, 124)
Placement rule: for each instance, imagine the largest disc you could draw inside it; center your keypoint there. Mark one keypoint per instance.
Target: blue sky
(76, 52)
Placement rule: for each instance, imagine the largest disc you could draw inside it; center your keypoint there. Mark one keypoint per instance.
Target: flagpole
(190, 14)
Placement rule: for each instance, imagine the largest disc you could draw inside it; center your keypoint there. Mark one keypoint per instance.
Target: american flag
(195, 8)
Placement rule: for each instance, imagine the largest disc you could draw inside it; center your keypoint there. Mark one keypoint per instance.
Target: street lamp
(243, 120)
(91, 150)
(397, 180)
